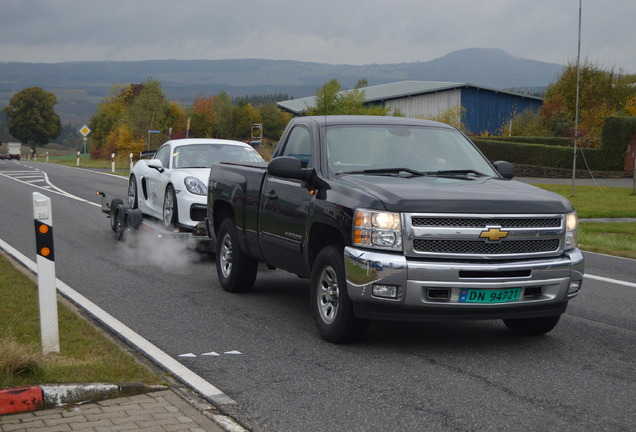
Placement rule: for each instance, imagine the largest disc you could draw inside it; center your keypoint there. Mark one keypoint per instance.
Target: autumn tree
(601, 93)
(202, 117)
(124, 118)
(32, 117)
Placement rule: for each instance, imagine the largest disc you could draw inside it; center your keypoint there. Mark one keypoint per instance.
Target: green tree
(32, 117)
(274, 120)
(222, 106)
(524, 123)
(330, 100)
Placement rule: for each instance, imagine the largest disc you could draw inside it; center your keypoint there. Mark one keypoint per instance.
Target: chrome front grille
(483, 236)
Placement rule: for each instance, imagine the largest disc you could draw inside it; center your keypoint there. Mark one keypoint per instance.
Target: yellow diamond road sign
(85, 130)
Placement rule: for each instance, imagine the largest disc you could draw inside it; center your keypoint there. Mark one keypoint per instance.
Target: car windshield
(403, 149)
(206, 155)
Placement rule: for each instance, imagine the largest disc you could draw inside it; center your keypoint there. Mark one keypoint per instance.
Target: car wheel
(330, 304)
(170, 210)
(132, 192)
(235, 270)
(120, 222)
(114, 205)
(532, 326)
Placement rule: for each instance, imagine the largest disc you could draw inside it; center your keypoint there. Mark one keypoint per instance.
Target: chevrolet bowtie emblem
(493, 234)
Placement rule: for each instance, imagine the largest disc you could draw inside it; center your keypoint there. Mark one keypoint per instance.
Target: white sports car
(173, 185)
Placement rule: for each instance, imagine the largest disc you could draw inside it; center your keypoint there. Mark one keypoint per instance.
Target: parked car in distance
(173, 185)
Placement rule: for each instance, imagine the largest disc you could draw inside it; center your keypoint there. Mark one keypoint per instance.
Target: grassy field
(86, 354)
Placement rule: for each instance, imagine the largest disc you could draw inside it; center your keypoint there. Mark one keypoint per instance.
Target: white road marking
(172, 365)
(612, 281)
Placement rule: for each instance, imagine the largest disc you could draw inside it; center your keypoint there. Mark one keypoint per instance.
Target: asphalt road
(455, 376)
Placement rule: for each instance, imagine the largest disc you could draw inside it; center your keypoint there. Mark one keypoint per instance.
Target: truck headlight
(195, 186)
(571, 230)
(377, 229)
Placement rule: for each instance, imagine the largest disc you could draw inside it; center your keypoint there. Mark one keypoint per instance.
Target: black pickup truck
(396, 218)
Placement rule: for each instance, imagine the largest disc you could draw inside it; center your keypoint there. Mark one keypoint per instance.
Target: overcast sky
(326, 31)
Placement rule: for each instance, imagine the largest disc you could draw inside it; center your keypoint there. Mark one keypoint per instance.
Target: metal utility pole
(576, 115)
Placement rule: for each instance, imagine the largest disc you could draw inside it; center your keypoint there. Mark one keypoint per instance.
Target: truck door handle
(271, 195)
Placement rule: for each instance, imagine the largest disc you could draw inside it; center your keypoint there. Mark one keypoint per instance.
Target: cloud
(330, 31)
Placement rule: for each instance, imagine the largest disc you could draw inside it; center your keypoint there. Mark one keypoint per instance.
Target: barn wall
(487, 111)
(427, 105)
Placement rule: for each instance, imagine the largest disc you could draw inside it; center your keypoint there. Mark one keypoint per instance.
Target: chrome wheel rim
(328, 295)
(168, 207)
(225, 256)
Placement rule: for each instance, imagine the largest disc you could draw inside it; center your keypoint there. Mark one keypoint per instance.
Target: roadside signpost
(151, 131)
(84, 130)
(47, 293)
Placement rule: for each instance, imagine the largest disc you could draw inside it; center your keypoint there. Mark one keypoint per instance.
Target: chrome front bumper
(430, 289)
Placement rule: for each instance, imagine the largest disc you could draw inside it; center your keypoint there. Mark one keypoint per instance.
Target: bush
(558, 152)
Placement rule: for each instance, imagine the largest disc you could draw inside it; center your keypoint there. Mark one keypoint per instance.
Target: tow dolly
(125, 220)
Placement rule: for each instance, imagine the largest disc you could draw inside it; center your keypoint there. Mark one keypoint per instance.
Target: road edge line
(182, 373)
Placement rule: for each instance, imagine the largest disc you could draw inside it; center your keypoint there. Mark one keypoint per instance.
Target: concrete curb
(32, 398)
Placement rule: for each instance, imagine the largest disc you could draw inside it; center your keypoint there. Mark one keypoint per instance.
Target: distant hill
(80, 86)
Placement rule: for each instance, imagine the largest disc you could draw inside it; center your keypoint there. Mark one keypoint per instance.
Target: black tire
(114, 205)
(134, 218)
(330, 304)
(120, 222)
(170, 208)
(132, 192)
(532, 326)
(235, 270)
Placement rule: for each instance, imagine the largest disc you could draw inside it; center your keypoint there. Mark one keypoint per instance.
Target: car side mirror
(289, 167)
(156, 164)
(505, 169)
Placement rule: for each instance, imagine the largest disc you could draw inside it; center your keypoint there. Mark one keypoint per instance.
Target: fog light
(385, 291)
(575, 286)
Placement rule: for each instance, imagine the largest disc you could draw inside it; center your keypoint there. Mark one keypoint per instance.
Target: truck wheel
(170, 209)
(114, 205)
(132, 192)
(236, 271)
(330, 304)
(532, 326)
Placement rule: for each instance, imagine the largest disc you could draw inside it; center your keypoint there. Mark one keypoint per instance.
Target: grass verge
(86, 353)
(590, 202)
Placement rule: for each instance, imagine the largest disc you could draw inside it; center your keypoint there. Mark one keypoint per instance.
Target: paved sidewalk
(165, 410)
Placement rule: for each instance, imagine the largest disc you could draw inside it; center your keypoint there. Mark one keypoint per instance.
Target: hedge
(617, 131)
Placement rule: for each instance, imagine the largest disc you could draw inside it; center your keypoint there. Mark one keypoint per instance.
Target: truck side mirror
(289, 167)
(506, 169)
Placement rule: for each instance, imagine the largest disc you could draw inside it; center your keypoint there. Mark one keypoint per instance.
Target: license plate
(489, 296)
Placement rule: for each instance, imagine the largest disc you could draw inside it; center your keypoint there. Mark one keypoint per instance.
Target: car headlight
(571, 230)
(377, 229)
(195, 186)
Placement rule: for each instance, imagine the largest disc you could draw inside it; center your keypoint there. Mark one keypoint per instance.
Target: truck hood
(458, 195)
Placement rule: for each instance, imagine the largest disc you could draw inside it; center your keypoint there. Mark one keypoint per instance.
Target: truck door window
(299, 145)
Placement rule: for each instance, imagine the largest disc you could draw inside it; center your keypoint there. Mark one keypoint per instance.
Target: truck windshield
(372, 149)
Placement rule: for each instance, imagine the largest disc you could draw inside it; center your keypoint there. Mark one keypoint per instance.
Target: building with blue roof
(485, 110)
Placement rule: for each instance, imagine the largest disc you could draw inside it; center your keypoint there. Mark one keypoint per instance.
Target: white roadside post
(78, 156)
(112, 159)
(47, 293)
(131, 162)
